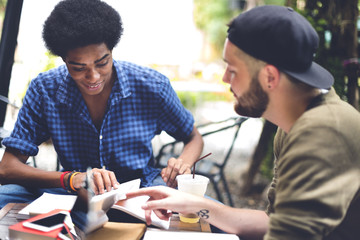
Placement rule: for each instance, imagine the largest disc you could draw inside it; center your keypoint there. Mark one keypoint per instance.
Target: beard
(252, 103)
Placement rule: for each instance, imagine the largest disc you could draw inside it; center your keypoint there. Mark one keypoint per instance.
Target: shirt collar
(121, 88)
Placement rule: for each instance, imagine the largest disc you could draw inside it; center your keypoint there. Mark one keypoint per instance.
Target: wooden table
(9, 216)
(177, 225)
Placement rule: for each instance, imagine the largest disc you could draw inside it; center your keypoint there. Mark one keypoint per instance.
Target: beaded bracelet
(62, 179)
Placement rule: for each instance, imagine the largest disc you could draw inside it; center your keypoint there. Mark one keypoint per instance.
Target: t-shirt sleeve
(315, 185)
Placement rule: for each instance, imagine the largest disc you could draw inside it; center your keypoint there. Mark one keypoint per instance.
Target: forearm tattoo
(203, 213)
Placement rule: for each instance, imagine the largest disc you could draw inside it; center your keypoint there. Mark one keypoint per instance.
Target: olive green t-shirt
(315, 193)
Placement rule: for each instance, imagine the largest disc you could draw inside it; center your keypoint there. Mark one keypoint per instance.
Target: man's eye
(78, 69)
(102, 64)
(232, 73)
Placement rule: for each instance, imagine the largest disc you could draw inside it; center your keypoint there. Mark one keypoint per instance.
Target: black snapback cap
(282, 37)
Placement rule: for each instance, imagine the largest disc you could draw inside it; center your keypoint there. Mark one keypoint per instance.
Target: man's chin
(239, 110)
(248, 112)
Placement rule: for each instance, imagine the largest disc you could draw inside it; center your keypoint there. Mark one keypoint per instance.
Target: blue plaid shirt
(141, 105)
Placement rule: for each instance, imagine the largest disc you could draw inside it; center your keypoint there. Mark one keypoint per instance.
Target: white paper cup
(196, 186)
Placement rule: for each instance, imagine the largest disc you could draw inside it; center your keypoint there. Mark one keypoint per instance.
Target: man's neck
(286, 109)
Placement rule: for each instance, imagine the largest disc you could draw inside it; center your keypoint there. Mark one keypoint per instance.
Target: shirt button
(101, 137)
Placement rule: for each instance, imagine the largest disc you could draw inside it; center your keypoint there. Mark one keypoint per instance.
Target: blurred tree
(2, 13)
(290, 3)
(336, 23)
(2, 7)
(212, 17)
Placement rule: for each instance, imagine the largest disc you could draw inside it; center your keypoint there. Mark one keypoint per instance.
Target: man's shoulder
(332, 112)
(332, 125)
(52, 77)
(136, 71)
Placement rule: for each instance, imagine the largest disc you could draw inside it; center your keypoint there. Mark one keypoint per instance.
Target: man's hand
(174, 167)
(163, 200)
(102, 179)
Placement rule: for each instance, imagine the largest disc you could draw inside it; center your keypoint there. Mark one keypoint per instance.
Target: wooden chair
(213, 166)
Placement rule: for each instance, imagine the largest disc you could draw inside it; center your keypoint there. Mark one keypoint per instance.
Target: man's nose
(92, 75)
(225, 77)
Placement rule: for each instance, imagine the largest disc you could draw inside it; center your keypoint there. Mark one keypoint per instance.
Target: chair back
(219, 138)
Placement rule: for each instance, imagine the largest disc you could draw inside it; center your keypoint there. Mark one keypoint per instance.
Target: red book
(19, 231)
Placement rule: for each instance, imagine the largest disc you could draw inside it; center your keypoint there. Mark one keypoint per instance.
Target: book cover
(19, 231)
(118, 231)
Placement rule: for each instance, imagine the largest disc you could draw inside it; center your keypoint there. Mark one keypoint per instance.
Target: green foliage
(2, 6)
(275, 2)
(51, 61)
(191, 100)
(2, 13)
(212, 17)
(267, 164)
(324, 57)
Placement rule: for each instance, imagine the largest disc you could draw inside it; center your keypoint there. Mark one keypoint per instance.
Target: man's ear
(272, 76)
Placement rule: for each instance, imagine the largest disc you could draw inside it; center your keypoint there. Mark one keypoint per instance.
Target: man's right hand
(102, 180)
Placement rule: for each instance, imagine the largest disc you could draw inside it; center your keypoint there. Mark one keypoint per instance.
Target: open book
(115, 200)
(133, 207)
(96, 207)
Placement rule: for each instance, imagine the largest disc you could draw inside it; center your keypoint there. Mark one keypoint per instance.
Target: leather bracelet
(62, 179)
(71, 180)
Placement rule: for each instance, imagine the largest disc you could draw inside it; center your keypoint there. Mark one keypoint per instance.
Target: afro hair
(79, 23)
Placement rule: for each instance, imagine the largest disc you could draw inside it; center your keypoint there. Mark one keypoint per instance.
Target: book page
(106, 200)
(132, 206)
(48, 202)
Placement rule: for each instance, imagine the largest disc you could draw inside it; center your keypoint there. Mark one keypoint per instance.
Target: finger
(98, 182)
(140, 192)
(106, 180)
(114, 182)
(161, 204)
(148, 217)
(169, 169)
(185, 169)
(163, 214)
(163, 174)
(175, 172)
(156, 192)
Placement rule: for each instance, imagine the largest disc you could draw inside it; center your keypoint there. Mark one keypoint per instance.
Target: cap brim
(315, 76)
